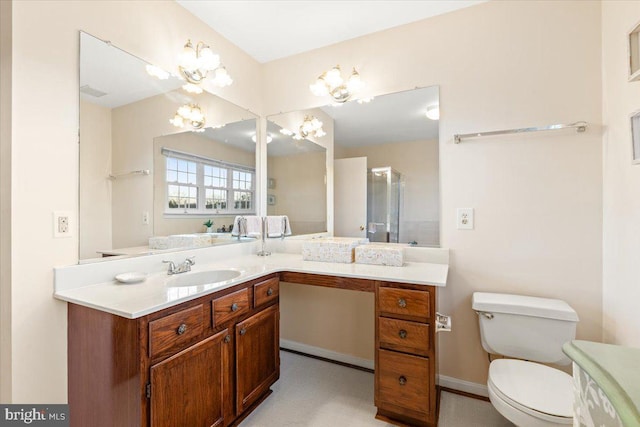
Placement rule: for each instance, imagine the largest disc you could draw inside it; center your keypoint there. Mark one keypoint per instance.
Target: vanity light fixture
(196, 63)
(331, 83)
(255, 139)
(433, 112)
(189, 114)
(311, 126)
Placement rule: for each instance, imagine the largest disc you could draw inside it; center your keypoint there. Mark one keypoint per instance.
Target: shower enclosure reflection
(383, 205)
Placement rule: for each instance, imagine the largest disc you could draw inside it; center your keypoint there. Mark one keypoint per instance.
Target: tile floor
(313, 393)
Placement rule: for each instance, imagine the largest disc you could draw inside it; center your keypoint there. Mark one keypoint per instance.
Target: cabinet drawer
(404, 302)
(266, 291)
(175, 331)
(230, 306)
(403, 335)
(403, 382)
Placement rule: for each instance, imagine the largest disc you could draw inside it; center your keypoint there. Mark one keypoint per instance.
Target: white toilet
(534, 329)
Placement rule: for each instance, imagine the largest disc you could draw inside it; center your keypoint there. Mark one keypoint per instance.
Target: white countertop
(139, 299)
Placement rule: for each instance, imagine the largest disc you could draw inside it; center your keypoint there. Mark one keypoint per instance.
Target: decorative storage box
(333, 249)
(195, 240)
(381, 254)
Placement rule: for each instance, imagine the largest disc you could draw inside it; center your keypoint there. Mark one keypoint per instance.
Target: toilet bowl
(530, 394)
(527, 393)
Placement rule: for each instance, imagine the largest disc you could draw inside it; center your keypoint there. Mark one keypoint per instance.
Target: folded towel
(247, 226)
(239, 226)
(278, 226)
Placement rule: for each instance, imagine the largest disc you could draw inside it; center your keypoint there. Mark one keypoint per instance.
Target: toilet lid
(533, 386)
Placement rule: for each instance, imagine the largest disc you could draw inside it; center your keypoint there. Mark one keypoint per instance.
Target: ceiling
(269, 30)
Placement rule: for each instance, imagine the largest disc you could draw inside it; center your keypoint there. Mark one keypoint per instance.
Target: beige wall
(190, 142)
(621, 292)
(45, 139)
(418, 163)
(300, 190)
(5, 199)
(537, 197)
(95, 188)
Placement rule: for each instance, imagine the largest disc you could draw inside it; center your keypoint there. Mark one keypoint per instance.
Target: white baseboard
(442, 380)
(327, 354)
(462, 385)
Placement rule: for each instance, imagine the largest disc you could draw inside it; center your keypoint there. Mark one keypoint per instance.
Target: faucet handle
(191, 260)
(172, 266)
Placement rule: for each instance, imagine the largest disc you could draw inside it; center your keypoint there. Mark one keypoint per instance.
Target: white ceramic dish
(131, 277)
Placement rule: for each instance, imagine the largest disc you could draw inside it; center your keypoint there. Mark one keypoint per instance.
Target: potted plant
(209, 224)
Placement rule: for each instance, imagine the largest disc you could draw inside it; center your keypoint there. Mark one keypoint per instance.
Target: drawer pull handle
(402, 380)
(182, 329)
(227, 338)
(402, 333)
(234, 307)
(269, 292)
(243, 331)
(402, 303)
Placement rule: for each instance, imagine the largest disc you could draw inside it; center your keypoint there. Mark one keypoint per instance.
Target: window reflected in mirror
(130, 192)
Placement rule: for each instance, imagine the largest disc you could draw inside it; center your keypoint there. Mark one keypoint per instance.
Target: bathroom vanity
(151, 355)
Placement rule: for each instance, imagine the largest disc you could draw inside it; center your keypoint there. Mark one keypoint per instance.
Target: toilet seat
(540, 391)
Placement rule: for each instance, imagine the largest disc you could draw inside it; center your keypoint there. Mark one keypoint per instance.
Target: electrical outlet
(145, 218)
(464, 218)
(62, 224)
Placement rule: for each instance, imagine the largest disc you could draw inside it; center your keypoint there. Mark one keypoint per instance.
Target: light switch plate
(464, 218)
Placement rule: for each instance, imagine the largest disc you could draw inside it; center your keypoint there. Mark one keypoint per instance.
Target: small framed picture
(271, 183)
(271, 199)
(635, 137)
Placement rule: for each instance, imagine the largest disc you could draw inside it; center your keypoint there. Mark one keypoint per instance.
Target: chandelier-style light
(331, 83)
(311, 126)
(189, 114)
(196, 63)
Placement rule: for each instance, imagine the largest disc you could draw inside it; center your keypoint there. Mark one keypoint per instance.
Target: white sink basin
(202, 278)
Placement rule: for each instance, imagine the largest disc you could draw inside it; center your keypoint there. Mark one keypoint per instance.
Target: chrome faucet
(182, 268)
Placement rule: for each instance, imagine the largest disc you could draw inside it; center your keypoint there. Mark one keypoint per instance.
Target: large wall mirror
(387, 185)
(297, 163)
(145, 184)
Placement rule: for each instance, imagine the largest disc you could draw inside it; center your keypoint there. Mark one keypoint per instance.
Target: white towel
(278, 226)
(253, 225)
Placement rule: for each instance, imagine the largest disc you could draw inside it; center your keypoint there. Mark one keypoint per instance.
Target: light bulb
(177, 121)
(319, 88)
(154, 71)
(320, 133)
(191, 88)
(354, 84)
(184, 111)
(222, 77)
(286, 132)
(208, 60)
(433, 112)
(333, 77)
(188, 59)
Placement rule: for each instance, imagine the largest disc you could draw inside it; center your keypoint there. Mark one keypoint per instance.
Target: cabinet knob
(234, 307)
(182, 329)
(243, 331)
(402, 333)
(269, 292)
(227, 338)
(402, 303)
(402, 380)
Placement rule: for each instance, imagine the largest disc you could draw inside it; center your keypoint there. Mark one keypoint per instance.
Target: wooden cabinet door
(192, 388)
(257, 356)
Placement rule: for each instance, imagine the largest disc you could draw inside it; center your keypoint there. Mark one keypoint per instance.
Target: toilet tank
(525, 327)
